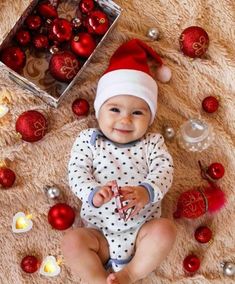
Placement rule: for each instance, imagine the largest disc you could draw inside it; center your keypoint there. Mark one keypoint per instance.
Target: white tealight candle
(50, 267)
(3, 110)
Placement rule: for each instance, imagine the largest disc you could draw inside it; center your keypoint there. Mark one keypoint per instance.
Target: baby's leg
(85, 251)
(154, 241)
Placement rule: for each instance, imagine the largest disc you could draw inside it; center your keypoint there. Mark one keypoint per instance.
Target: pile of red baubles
(70, 42)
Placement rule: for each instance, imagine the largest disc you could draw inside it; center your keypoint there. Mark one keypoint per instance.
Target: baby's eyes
(114, 109)
(137, 112)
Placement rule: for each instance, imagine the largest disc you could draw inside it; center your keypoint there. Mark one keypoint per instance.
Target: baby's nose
(126, 119)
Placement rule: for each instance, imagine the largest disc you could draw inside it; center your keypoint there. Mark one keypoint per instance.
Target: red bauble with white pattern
(61, 216)
(64, 66)
(31, 125)
(194, 41)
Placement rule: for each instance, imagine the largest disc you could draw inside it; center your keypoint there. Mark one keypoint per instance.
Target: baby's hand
(137, 197)
(103, 196)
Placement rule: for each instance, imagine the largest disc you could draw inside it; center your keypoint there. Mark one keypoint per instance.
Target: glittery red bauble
(32, 125)
(47, 10)
(30, 264)
(14, 58)
(80, 107)
(83, 44)
(33, 22)
(23, 37)
(61, 216)
(97, 22)
(60, 30)
(215, 171)
(40, 41)
(210, 104)
(196, 202)
(203, 234)
(86, 6)
(7, 177)
(191, 263)
(64, 66)
(194, 41)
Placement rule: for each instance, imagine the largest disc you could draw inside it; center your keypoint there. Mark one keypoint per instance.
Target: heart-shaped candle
(21, 223)
(50, 267)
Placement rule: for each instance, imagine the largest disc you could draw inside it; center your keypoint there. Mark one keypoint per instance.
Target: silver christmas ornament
(153, 33)
(76, 22)
(168, 132)
(54, 49)
(52, 192)
(228, 268)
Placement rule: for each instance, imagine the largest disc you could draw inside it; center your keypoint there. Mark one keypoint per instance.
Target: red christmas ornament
(45, 9)
(30, 264)
(14, 58)
(194, 41)
(60, 30)
(32, 125)
(7, 177)
(210, 104)
(23, 37)
(196, 202)
(97, 22)
(215, 171)
(61, 216)
(40, 41)
(64, 66)
(80, 107)
(191, 263)
(86, 6)
(33, 22)
(203, 234)
(83, 44)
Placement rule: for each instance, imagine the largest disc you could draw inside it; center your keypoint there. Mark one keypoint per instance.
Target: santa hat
(128, 74)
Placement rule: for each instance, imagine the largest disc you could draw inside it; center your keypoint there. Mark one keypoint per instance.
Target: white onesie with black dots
(95, 160)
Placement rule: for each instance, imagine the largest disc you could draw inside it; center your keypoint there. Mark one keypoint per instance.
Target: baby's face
(124, 118)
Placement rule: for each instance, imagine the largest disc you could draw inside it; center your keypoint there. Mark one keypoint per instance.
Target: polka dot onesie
(95, 160)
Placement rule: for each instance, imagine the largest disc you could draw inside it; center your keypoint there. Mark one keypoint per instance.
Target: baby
(121, 150)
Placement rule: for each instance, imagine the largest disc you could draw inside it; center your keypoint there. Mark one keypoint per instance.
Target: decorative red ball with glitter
(191, 263)
(14, 58)
(97, 22)
(203, 234)
(210, 104)
(86, 6)
(47, 10)
(33, 22)
(194, 41)
(83, 44)
(64, 66)
(40, 41)
(32, 125)
(7, 177)
(80, 107)
(60, 30)
(30, 264)
(61, 216)
(215, 171)
(23, 37)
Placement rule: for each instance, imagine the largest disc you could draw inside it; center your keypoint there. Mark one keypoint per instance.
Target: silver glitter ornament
(153, 33)
(52, 192)
(228, 268)
(168, 132)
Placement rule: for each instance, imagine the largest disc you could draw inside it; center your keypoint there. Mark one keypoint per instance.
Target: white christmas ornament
(49, 267)
(21, 223)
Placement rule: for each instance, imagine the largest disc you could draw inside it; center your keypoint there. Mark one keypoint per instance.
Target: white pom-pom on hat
(163, 74)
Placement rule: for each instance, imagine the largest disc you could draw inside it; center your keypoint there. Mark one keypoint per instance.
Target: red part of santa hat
(128, 73)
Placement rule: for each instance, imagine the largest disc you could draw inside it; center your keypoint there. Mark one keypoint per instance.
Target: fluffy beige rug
(45, 162)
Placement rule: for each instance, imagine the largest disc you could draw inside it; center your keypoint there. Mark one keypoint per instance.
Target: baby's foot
(120, 277)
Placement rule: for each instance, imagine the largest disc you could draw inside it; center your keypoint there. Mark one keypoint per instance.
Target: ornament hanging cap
(128, 73)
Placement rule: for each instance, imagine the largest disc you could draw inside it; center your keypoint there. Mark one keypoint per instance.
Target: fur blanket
(45, 162)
